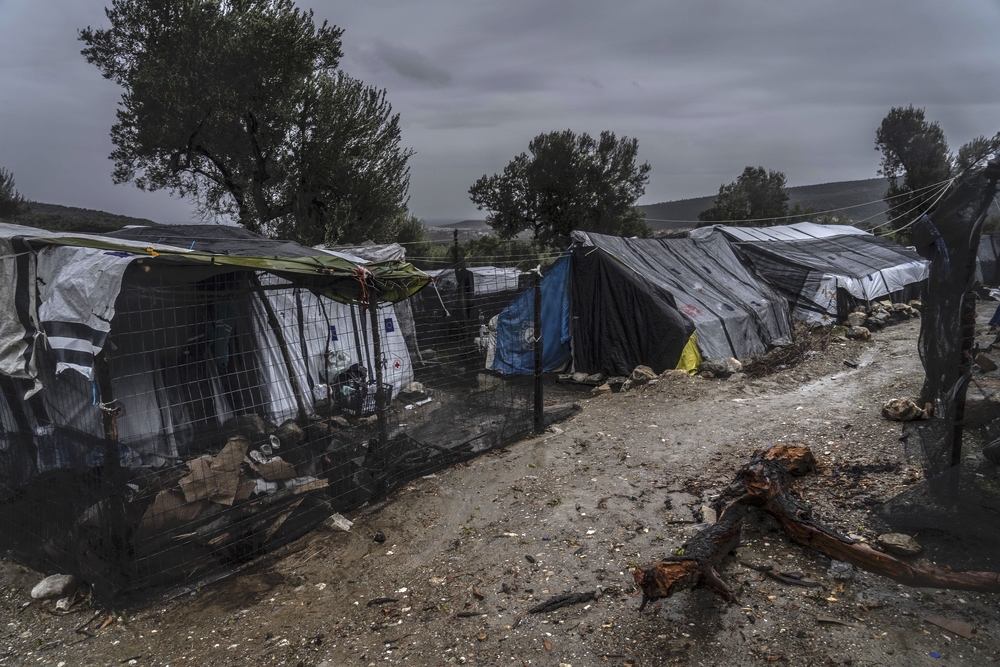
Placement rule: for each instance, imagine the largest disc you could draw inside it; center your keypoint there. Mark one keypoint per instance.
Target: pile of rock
(640, 376)
(881, 314)
(721, 367)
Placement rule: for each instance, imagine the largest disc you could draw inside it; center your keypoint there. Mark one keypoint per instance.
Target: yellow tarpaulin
(690, 356)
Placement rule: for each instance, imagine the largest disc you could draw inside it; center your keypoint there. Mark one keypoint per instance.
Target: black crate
(361, 403)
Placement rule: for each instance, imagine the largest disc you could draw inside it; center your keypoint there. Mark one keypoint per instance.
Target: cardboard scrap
(960, 628)
(201, 482)
(275, 470)
(306, 484)
(244, 489)
(226, 470)
(170, 508)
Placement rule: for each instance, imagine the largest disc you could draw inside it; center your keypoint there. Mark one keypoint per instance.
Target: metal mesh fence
(230, 412)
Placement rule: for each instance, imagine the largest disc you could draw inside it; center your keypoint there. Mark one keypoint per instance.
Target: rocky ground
(471, 550)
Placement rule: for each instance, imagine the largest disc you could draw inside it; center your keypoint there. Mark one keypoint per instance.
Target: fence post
(379, 393)
(537, 333)
(109, 411)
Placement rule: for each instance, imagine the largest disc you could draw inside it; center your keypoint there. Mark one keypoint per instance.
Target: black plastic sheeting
(812, 274)
(735, 313)
(621, 319)
(989, 252)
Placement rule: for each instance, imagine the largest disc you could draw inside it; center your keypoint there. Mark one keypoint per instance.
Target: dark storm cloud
(411, 64)
(707, 87)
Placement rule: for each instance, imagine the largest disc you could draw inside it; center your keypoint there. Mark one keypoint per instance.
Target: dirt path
(470, 550)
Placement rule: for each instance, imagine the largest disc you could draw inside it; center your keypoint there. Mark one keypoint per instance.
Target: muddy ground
(470, 550)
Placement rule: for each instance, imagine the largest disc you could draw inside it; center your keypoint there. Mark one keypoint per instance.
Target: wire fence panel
(230, 412)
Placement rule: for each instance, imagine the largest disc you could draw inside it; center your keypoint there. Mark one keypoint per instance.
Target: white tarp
(329, 341)
(18, 323)
(77, 289)
(800, 231)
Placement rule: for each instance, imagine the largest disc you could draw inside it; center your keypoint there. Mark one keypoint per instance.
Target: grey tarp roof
(820, 269)
(736, 314)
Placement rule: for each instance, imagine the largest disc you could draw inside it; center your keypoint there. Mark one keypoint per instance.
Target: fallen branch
(560, 601)
(763, 483)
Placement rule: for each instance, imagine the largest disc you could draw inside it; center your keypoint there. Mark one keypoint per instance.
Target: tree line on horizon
(243, 109)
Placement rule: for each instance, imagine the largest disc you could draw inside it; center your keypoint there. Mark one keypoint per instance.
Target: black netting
(231, 411)
(956, 508)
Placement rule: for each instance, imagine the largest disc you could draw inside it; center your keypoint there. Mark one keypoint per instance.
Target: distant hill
(72, 219)
(683, 213)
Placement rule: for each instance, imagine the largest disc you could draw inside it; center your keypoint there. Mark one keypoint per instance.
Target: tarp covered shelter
(616, 303)
(825, 271)
(734, 313)
(131, 360)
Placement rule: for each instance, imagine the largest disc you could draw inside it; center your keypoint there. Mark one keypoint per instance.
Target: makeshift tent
(825, 271)
(734, 313)
(140, 369)
(515, 331)
(618, 303)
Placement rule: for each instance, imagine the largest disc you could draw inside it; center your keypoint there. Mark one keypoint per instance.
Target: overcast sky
(707, 86)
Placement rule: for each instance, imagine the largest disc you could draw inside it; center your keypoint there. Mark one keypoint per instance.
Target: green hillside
(683, 213)
(73, 219)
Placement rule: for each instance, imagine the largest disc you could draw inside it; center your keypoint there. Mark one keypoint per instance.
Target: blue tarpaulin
(515, 326)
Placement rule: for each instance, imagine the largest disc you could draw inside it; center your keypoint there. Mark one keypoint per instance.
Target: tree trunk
(764, 483)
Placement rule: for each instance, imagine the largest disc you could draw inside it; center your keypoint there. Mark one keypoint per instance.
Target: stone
(428, 354)
(856, 320)
(899, 544)
(617, 381)
(578, 377)
(54, 586)
(596, 378)
(905, 410)
(900, 307)
(915, 304)
(601, 389)
(340, 422)
(882, 317)
(675, 374)
(642, 375)
(290, 434)
(841, 571)
(413, 390)
(859, 333)
(720, 367)
(708, 514)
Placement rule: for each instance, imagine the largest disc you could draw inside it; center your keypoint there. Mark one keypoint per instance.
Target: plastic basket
(361, 403)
